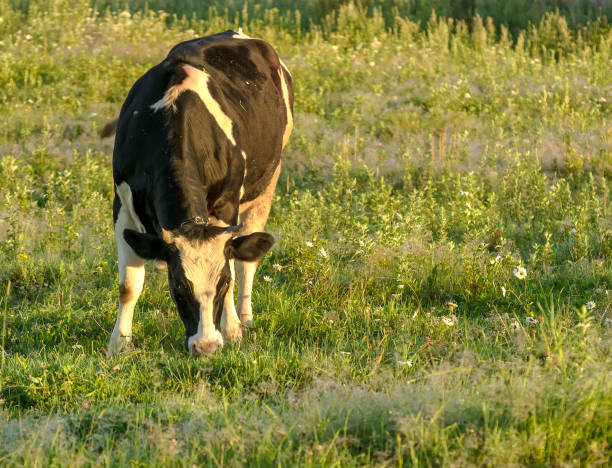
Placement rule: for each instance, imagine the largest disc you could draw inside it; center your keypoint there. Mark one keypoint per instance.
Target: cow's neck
(180, 199)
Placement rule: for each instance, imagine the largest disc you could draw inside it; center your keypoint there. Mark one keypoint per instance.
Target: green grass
(425, 166)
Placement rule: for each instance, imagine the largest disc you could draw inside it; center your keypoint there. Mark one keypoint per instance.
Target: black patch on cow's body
(234, 63)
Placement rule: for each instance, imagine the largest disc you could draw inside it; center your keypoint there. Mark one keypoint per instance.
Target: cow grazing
(196, 160)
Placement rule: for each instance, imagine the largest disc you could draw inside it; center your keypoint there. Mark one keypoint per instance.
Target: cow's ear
(250, 248)
(147, 245)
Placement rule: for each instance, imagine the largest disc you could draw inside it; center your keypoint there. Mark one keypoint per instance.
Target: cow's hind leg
(131, 280)
(252, 219)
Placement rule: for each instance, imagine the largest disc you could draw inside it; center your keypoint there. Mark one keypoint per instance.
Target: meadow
(440, 290)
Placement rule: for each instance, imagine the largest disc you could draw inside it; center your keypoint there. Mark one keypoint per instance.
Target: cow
(196, 159)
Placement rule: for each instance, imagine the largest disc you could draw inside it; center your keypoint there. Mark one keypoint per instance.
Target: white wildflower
(452, 305)
(267, 279)
(450, 320)
(590, 305)
(405, 363)
(463, 193)
(400, 286)
(77, 346)
(514, 325)
(574, 231)
(277, 267)
(531, 320)
(345, 353)
(520, 272)
(308, 244)
(323, 252)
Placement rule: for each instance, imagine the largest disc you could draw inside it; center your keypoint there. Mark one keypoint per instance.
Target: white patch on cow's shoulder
(240, 35)
(289, 126)
(124, 192)
(197, 81)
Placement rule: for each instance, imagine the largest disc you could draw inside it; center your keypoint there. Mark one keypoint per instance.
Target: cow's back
(248, 73)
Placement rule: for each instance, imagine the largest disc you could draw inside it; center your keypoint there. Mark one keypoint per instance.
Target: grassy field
(441, 286)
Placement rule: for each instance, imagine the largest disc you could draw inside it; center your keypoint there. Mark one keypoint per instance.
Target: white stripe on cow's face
(289, 127)
(203, 262)
(198, 82)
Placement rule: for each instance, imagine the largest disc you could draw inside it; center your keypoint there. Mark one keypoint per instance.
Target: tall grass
(515, 15)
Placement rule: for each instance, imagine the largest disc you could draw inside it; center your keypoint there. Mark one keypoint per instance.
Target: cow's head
(199, 274)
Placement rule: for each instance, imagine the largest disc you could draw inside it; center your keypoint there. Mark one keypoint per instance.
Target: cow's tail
(109, 129)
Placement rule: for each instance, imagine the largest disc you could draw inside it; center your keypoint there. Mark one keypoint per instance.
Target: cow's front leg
(246, 273)
(230, 323)
(253, 218)
(131, 280)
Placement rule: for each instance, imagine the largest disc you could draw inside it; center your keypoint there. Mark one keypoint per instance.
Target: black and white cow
(196, 160)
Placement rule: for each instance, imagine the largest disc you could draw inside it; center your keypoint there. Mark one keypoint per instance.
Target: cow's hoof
(232, 334)
(208, 345)
(247, 320)
(118, 344)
